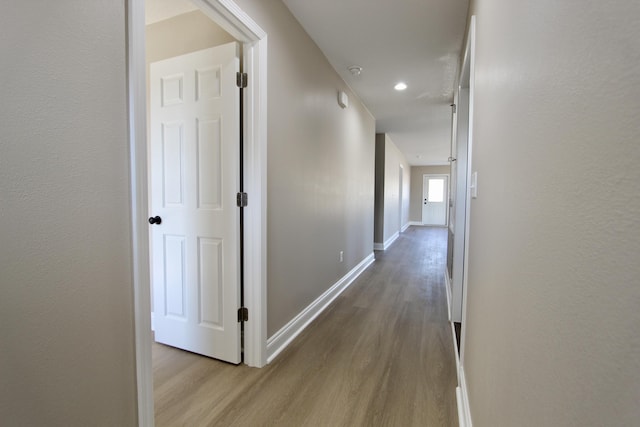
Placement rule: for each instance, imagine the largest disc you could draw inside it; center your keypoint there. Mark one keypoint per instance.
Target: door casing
(236, 22)
(463, 123)
(462, 160)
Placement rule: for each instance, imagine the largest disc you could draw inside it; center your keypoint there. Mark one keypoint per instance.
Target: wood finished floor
(380, 355)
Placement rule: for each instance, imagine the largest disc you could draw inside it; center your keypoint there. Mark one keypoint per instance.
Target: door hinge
(243, 314)
(453, 107)
(241, 80)
(242, 200)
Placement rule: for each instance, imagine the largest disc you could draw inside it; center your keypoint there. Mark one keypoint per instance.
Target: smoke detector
(355, 70)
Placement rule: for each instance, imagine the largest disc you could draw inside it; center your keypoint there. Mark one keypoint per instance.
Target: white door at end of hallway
(435, 199)
(194, 165)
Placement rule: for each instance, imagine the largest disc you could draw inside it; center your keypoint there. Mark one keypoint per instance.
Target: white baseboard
(464, 413)
(421, 224)
(384, 246)
(390, 240)
(281, 339)
(447, 285)
(456, 350)
(404, 228)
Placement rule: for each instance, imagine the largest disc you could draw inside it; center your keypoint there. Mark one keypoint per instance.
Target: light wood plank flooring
(381, 355)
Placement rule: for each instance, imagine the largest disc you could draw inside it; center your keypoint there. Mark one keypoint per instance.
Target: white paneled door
(194, 170)
(435, 199)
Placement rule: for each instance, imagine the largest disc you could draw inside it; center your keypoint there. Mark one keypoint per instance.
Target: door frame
(236, 22)
(461, 178)
(446, 198)
(467, 79)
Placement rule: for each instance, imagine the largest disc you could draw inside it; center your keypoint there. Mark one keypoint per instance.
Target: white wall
(553, 294)
(66, 313)
(320, 169)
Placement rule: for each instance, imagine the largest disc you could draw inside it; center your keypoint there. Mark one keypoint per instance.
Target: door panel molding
(202, 170)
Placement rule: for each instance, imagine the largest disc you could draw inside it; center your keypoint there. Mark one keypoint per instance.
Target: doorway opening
(253, 39)
(194, 176)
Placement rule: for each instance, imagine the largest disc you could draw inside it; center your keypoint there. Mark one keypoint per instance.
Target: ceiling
(414, 41)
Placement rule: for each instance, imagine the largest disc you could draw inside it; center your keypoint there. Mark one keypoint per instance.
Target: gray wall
(67, 356)
(320, 169)
(415, 204)
(378, 218)
(553, 294)
(387, 204)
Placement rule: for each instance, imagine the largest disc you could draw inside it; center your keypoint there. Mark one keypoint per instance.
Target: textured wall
(66, 311)
(320, 169)
(415, 203)
(552, 305)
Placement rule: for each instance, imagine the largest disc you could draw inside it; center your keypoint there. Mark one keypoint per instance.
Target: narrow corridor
(380, 355)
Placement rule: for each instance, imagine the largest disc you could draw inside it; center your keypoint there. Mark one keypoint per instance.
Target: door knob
(155, 220)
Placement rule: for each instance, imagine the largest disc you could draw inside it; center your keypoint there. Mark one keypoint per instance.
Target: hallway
(380, 355)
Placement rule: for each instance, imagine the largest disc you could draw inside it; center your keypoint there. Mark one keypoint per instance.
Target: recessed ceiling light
(400, 86)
